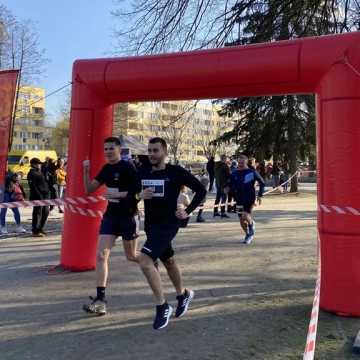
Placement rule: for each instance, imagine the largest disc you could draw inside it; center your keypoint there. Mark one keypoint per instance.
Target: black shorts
(121, 226)
(183, 223)
(241, 208)
(158, 242)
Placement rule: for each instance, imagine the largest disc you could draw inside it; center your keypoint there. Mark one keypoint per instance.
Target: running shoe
(3, 230)
(38, 234)
(216, 214)
(252, 228)
(20, 230)
(163, 313)
(200, 219)
(248, 239)
(96, 306)
(184, 302)
(225, 216)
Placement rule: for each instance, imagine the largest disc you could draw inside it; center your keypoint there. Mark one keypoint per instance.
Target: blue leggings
(7, 198)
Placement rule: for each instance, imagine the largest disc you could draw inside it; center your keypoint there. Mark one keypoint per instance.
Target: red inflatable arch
(327, 66)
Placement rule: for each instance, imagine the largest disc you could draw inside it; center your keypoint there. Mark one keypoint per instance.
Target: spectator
(49, 171)
(251, 164)
(222, 177)
(182, 203)
(276, 174)
(231, 198)
(203, 178)
(210, 168)
(13, 192)
(60, 173)
(39, 190)
(284, 177)
(262, 169)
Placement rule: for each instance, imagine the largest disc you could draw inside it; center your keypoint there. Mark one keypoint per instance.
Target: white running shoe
(3, 230)
(248, 239)
(20, 230)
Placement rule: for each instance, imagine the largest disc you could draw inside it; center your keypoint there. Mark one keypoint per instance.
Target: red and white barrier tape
(71, 204)
(332, 209)
(309, 352)
(281, 185)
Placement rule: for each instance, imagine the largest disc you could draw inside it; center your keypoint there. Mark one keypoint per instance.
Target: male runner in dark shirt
(161, 186)
(242, 184)
(122, 184)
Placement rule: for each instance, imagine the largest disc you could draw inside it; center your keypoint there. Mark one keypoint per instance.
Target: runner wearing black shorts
(242, 184)
(161, 187)
(122, 185)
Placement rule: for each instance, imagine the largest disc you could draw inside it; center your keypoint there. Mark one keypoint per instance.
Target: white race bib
(157, 186)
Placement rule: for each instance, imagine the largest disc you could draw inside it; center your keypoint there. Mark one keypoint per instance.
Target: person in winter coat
(13, 192)
(39, 190)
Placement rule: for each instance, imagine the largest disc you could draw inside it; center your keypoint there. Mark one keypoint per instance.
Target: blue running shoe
(248, 239)
(184, 301)
(252, 228)
(163, 313)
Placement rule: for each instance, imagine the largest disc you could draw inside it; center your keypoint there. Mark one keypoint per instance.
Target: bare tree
(155, 26)
(60, 134)
(20, 49)
(172, 125)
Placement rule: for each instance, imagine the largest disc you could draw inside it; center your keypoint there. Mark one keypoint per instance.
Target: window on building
(37, 110)
(133, 125)
(200, 153)
(174, 107)
(166, 106)
(153, 116)
(36, 135)
(165, 117)
(132, 113)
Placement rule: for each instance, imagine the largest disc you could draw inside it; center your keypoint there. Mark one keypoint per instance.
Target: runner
(242, 183)
(161, 187)
(122, 185)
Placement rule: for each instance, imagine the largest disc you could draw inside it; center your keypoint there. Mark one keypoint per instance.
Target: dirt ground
(252, 302)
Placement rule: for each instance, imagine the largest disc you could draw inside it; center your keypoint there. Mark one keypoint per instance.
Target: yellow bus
(19, 161)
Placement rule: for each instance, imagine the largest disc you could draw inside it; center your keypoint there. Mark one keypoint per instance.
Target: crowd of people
(46, 180)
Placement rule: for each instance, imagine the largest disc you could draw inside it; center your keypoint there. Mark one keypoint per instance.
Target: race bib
(157, 186)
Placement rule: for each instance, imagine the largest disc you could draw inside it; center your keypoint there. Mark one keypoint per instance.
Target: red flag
(8, 82)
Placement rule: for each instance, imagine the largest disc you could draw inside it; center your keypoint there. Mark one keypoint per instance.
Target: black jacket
(210, 167)
(39, 188)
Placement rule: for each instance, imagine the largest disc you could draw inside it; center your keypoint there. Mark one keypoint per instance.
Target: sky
(68, 30)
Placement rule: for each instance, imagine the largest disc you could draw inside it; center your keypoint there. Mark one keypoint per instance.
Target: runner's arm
(194, 184)
(89, 185)
(134, 185)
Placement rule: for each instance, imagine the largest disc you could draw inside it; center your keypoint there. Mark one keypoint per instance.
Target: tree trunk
(292, 142)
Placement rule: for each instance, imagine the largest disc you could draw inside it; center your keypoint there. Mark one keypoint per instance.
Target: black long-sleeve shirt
(161, 209)
(39, 189)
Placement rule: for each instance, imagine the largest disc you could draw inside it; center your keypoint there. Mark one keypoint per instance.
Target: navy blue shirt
(242, 183)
